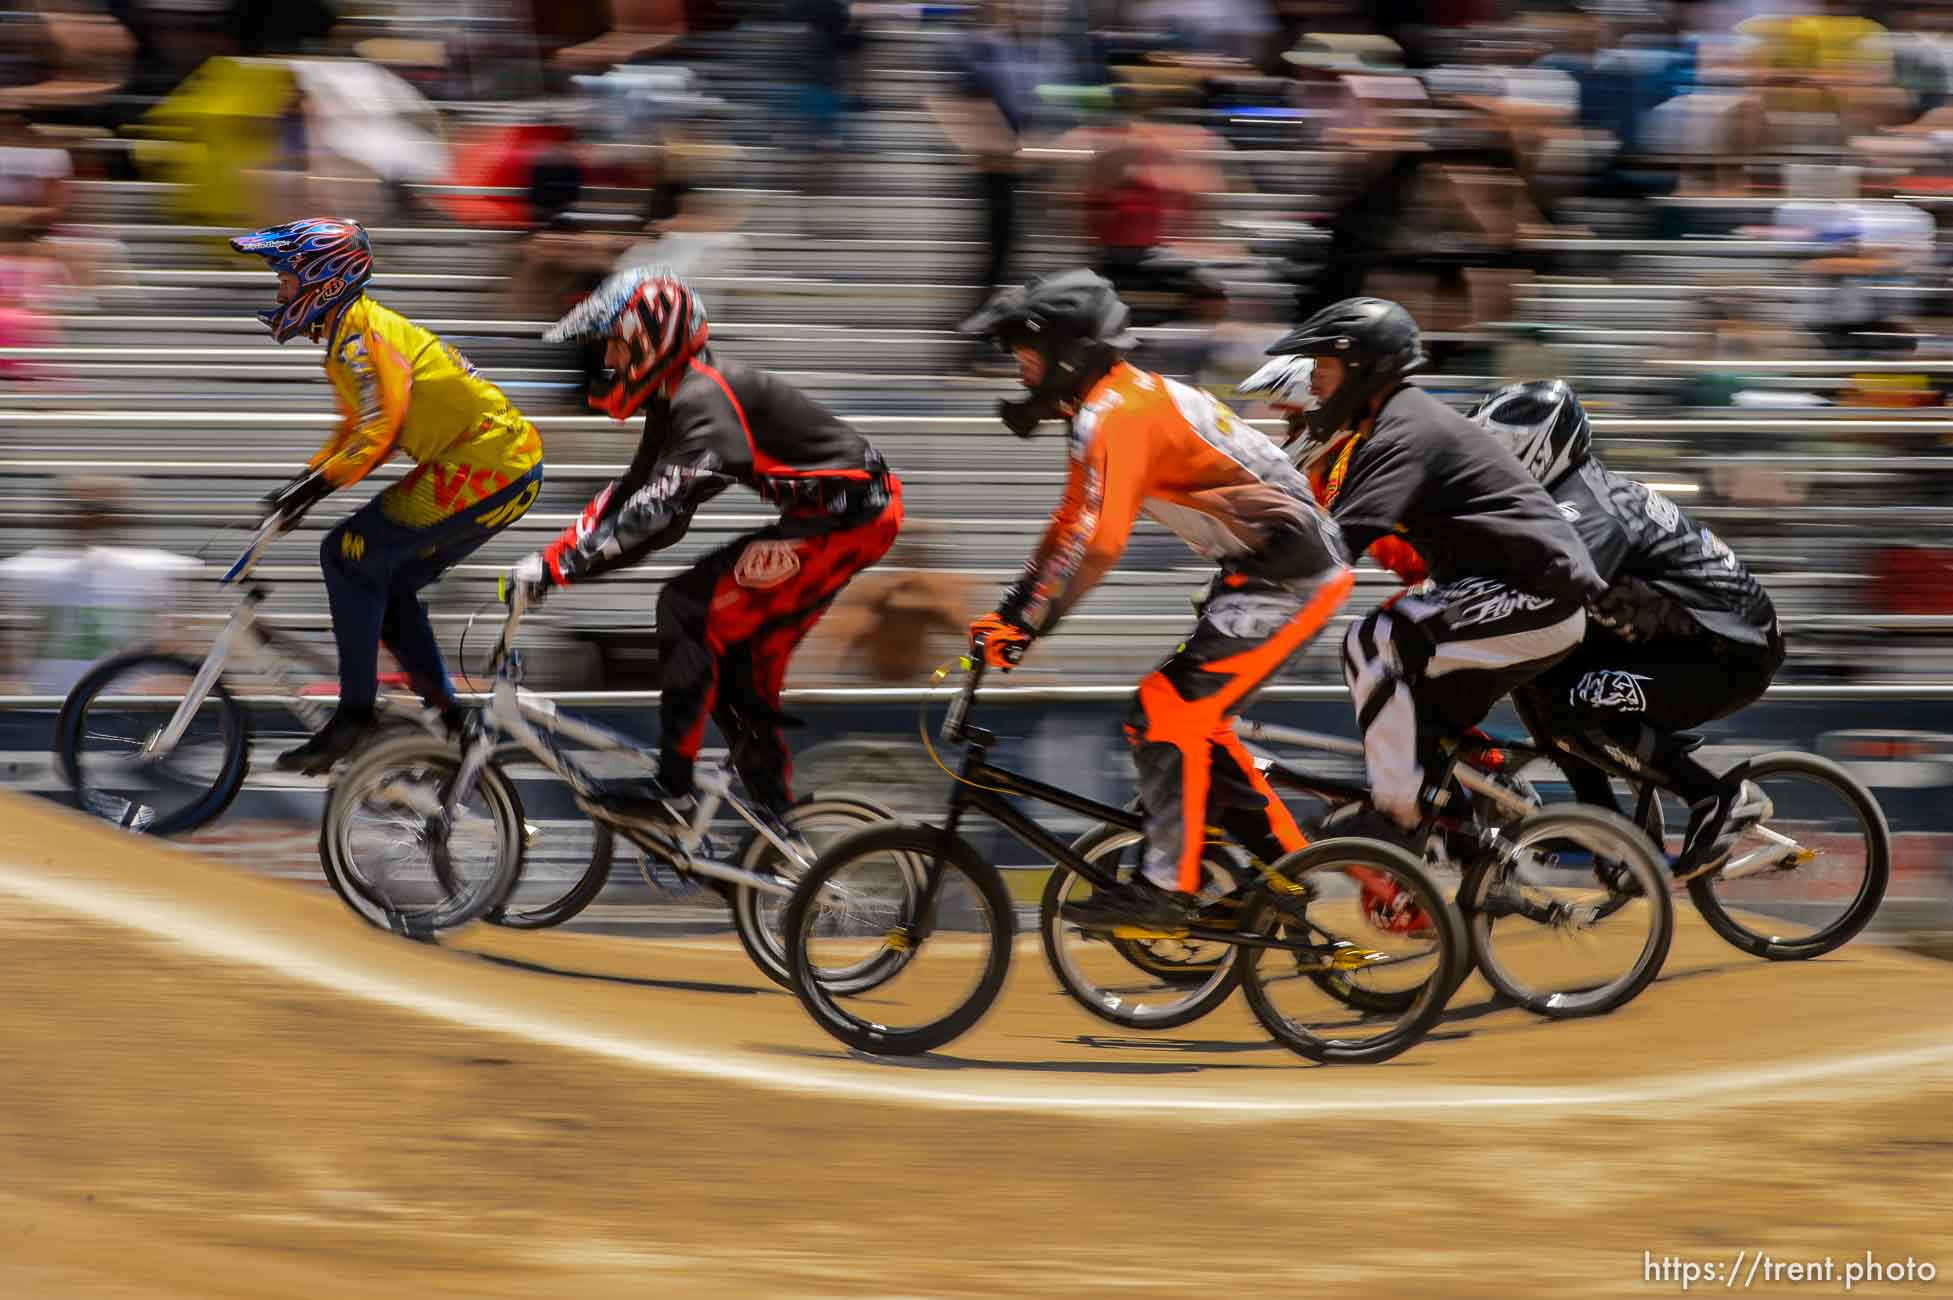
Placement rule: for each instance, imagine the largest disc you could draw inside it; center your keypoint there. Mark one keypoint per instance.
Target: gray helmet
(1075, 322)
(1543, 423)
(1374, 338)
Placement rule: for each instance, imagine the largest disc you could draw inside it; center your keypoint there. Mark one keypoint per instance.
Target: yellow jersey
(400, 388)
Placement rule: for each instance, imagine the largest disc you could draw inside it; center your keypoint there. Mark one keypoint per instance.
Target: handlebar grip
(959, 708)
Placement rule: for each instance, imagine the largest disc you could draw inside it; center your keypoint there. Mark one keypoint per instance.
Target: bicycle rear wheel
(1320, 904)
(120, 705)
(1826, 858)
(948, 958)
(388, 855)
(1134, 983)
(1578, 921)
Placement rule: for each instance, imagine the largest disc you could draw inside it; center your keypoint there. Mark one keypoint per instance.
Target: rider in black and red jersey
(729, 624)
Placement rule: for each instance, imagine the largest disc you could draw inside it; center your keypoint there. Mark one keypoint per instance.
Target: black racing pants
(1627, 699)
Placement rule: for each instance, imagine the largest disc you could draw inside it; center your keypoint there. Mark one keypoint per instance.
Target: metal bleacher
(173, 382)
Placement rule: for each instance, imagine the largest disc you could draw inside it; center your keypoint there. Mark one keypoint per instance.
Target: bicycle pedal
(1350, 957)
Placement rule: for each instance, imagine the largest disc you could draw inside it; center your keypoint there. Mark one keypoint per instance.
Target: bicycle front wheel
(1314, 908)
(760, 917)
(948, 946)
(1577, 920)
(105, 737)
(391, 856)
(1807, 878)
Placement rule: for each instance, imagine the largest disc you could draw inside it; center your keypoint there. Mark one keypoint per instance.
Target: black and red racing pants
(727, 628)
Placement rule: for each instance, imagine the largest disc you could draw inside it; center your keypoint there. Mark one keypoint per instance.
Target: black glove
(296, 497)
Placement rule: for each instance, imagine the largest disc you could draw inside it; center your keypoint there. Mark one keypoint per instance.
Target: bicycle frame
(983, 787)
(1777, 849)
(536, 725)
(276, 655)
(1279, 773)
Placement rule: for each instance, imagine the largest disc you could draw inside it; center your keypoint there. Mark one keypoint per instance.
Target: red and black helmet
(661, 322)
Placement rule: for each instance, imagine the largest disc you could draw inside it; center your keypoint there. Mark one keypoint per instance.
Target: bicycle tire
(1628, 845)
(926, 844)
(1871, 894)
(570, 904)
(420, 750)
(1214, 985)
(746, 902)
(70, 730)
(1429, 998)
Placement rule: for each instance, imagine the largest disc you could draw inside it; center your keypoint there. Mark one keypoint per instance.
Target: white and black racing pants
(1434, 663)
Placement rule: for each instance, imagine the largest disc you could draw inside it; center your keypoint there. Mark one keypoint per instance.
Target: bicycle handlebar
(268, 531)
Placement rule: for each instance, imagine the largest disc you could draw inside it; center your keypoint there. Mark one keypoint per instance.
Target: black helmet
(1544, 425)
(1374, 338)
(1075, 322)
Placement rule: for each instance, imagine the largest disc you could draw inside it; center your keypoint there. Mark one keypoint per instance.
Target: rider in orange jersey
(1142, 443)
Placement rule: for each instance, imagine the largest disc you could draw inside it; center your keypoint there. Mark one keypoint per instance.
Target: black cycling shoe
(454, 720)
(642, 802)
(1139, 903)
(340, 736)
(1716, 824)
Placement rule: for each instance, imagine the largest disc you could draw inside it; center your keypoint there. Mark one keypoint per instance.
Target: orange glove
(1004, 642)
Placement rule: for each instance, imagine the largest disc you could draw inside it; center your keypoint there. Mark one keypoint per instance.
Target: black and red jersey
(726, 423)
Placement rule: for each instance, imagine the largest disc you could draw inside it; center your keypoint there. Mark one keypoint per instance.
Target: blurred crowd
(1718, 209)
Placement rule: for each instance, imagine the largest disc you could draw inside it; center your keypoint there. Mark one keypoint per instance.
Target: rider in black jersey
(1684, 633)
(1509, 579)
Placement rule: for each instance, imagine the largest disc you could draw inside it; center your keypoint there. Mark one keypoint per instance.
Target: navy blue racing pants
(375, 569)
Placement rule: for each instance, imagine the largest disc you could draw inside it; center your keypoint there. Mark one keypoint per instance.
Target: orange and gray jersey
(1145, 444)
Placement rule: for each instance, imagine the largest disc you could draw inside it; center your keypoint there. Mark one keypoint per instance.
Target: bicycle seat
(1689, 741)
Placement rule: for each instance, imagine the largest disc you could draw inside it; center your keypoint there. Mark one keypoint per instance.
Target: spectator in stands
(88, 594)
(1878, 251)
(698, 240)
(625, 31)
(76, 52)
(1141, 189)
(1003, 61)
(1430, 208)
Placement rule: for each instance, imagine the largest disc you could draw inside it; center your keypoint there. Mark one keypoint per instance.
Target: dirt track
(172, 1125)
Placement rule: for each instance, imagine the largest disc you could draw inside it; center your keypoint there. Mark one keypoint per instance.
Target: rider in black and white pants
(1509, 577)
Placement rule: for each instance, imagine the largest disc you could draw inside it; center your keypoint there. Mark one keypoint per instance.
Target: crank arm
(1501, 901)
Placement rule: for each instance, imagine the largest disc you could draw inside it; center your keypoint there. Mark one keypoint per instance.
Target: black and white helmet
(1544, 425)
(1284, 382)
